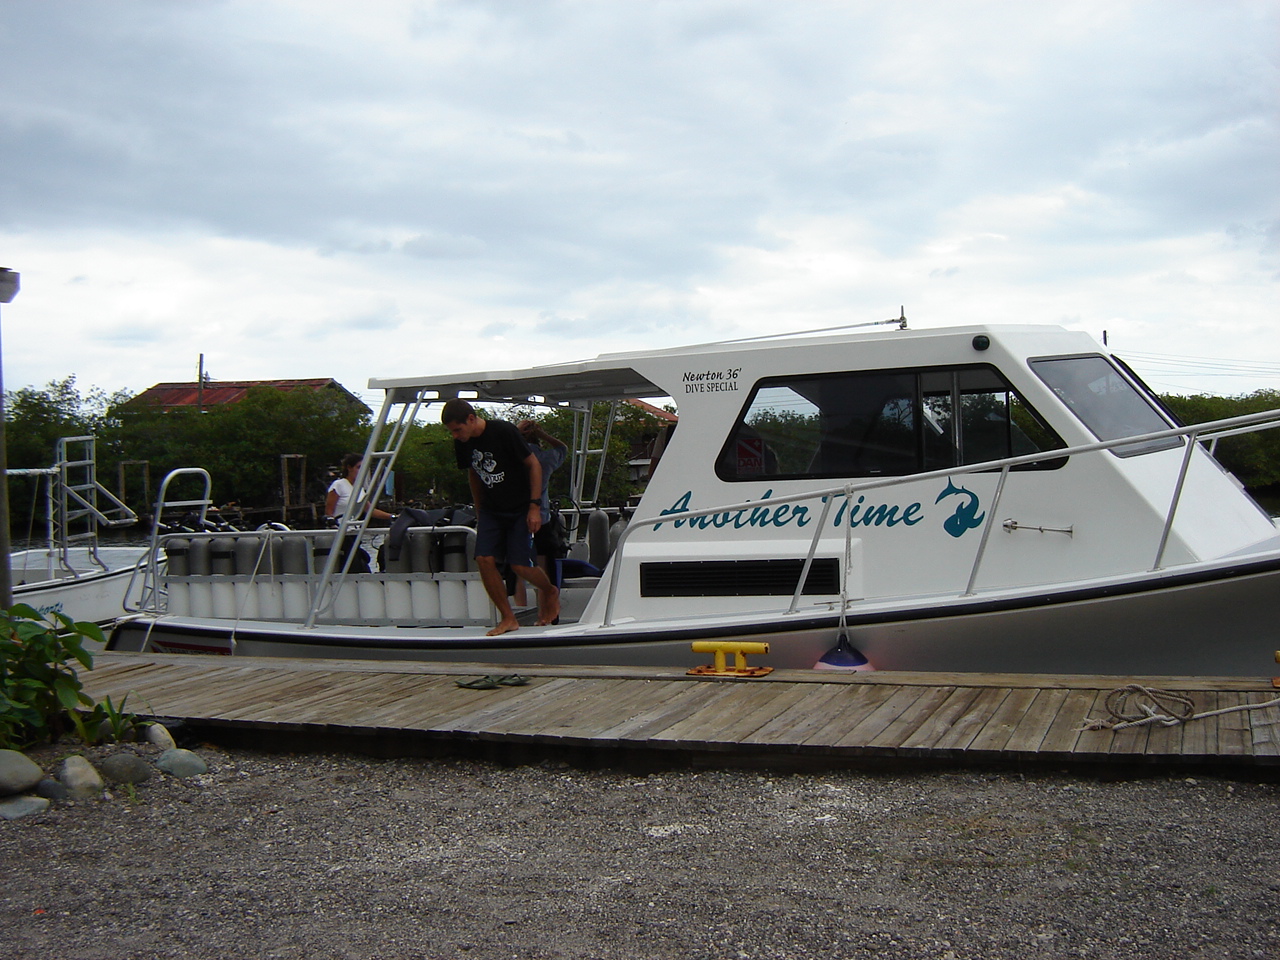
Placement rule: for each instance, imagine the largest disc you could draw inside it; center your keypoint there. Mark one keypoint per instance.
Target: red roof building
(215, 393)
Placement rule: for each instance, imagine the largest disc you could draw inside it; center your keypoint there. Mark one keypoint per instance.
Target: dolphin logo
(966, 516)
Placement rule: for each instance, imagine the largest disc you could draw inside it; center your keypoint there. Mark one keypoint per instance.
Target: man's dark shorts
(505, 536)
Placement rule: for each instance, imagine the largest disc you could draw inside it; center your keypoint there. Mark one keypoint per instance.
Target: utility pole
(9, 283)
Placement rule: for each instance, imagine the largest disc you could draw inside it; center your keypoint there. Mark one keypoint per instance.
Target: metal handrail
(1256, 421)
(151, 568)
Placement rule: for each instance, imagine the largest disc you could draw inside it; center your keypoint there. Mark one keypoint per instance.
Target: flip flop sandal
(512, 680)
(480, 683)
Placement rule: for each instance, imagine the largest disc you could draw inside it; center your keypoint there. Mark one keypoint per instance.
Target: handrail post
(986, 532)
(813, 548)
(1192, 439)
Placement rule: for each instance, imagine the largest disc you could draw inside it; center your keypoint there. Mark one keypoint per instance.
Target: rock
(181, 763)
(81, 780)
(159, 734)
(51, 789)
(11, 808)
(18, 772)
(125, 767)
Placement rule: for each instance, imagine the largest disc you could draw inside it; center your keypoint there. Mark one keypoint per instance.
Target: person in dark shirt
(550, 458)
(506, 486)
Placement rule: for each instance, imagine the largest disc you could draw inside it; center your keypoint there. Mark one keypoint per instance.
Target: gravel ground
(335, 856)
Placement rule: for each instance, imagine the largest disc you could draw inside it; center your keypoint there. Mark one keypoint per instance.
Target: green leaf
(90, 630)
(68, 692)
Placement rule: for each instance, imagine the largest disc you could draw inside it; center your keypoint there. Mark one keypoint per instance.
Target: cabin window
(886, 423)
(1104, 401)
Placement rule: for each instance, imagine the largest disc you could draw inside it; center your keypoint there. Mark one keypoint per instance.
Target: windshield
(1104, 401)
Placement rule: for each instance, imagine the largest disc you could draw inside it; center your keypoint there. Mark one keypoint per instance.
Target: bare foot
(549, 608)
(505, 626)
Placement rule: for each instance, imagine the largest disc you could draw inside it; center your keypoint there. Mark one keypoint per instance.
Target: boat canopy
(601, 379)
(617, 376)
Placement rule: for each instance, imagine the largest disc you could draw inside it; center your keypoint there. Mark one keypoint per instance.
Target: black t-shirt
(497, 456)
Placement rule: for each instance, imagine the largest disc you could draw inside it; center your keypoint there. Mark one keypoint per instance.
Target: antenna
(901, 321)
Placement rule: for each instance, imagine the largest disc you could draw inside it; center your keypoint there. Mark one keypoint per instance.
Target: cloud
(443, 247)
(291, 187)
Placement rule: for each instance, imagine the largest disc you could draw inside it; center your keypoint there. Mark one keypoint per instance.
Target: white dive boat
(984, 498)
(73, 573)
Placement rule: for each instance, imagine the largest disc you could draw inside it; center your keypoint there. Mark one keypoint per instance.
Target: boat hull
(1217, 620)
(92, 595)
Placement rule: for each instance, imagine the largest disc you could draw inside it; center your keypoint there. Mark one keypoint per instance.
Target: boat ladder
(78, 506)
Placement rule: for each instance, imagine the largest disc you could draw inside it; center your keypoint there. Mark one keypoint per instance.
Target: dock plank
(470, 709)
(1064, 734)
(667, 710)
(1264, 729)
(1200, 737)
(1167, 741)
(722, 721)
(954, 741)
(1000, 727)
(1036, 722)
(820, 709)
(1234, 736)
(409, 701)
(540, 709)
(931, 729)
(1132, 740)
(621, 700)
(765, 711)
(311, 703)
(170, 693)
(861, 733)
(901, 727)
(850, 710)
(153, 678)
(358, 704)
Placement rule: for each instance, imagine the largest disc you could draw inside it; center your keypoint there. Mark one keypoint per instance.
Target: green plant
(106, 721)
(39, 687)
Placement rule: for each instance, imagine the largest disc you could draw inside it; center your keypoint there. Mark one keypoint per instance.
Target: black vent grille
(737, 578)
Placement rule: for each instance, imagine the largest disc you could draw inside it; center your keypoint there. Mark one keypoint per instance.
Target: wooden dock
(630, 715)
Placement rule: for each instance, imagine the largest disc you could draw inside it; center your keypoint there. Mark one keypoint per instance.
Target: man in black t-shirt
(506, 485)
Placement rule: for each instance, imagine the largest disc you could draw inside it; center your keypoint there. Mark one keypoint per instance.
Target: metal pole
(9, 283)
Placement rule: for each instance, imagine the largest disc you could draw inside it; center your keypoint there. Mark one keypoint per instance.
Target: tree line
(241, 445)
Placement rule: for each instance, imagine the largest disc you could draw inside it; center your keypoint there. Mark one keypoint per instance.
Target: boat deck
(661, 717)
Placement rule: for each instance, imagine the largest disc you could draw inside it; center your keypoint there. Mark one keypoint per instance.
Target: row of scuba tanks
(255, 554)
(258, 591)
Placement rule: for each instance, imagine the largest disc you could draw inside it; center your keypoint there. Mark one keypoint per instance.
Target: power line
(1207, 366)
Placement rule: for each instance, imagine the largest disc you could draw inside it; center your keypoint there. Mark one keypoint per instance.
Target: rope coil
(1134, 705)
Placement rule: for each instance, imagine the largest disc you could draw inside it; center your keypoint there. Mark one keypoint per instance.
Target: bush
(39, 687)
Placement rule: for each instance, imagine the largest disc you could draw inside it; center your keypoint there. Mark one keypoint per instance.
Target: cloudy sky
(314, 188)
